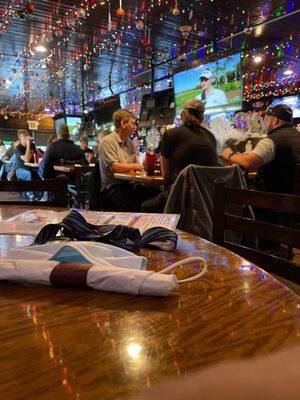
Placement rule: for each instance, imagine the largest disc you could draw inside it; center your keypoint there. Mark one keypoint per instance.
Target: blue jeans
(23, 174)
(26, 175)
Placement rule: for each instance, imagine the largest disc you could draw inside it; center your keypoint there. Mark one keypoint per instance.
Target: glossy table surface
(83, 344)
(141, 177)
(71, 168)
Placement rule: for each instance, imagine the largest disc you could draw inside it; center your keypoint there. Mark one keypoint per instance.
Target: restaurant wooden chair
(295, 222)
(78, 190)
(56, 189)
(281, 203)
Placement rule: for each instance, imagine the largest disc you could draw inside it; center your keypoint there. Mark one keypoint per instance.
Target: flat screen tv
(74, 124)
(58, 122)
(104, 109)
(218, 84)
(73, 121)
(157, 109)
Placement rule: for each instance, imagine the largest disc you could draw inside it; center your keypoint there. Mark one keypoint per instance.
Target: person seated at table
(51, 139)
(118, 154)
(274, 157)
(188, 144)
(84, 145)
(62, 150)
(8, 160)
(98, 140)
(2, 149)
(24, 153)
(11, 150)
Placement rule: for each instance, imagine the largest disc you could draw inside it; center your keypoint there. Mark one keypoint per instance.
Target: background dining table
(141, 177)
(84, 344)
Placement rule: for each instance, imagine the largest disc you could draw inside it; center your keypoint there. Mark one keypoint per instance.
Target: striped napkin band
(75, 227)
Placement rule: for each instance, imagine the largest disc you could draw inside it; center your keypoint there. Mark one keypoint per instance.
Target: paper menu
(31, 222)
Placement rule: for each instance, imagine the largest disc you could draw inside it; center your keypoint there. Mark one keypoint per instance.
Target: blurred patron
(52, 138)
(2, 149)
(275, 157)
(24, 153)
(84, 145)
(61, 151)
(118, 154)
(11, 150)
(188, 144)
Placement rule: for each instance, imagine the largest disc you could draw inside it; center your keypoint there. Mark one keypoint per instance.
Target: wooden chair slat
(56, 187)
(280, 203)
(263, 230)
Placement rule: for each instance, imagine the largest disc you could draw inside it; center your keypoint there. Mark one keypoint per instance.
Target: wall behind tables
(9, 127)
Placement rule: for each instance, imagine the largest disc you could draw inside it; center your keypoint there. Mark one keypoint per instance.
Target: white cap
(206, 73)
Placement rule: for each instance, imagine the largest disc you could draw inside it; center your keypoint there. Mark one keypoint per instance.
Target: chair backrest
(94, 194)
(296, 181)
(191, 196)
(281, 203)
(56, 189)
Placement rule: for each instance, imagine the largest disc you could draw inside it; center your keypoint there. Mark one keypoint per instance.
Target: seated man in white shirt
(117, 153)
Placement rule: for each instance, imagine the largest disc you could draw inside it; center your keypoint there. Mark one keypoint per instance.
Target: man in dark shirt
(188, 144)
(24, 153)
(63, 150)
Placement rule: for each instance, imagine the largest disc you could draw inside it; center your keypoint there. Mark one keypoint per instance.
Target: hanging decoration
(145, 41)
(139, 25)
(22, 14)
(81, 12)
(30, 8)
(176, 10)
(248, 30)
(149, 48)
(120, 11)
(109, 18)
(153, 139)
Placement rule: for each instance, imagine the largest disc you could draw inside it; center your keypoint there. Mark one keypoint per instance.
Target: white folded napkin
(96, 265)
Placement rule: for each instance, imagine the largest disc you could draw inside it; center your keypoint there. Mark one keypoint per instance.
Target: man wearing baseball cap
(211, 96)
(275, 156)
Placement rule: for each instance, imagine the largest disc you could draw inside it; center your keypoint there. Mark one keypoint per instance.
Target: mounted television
(74, 124)
(104, 109)
(73, 121)
(157, 109)
(218, 84)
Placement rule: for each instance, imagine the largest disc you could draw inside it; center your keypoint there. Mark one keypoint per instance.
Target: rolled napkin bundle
(96, 265)
(99, 277)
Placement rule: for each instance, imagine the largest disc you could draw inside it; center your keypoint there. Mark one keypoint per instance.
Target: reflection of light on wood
(134, 349)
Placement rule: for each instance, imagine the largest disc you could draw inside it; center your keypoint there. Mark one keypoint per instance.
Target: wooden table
(82, 344)
(70, 169)
(140, 177)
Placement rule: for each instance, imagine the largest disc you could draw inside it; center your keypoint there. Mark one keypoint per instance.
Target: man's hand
(28, 140)
(225, 153)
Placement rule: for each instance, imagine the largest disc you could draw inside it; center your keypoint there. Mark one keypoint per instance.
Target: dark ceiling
(86, 51)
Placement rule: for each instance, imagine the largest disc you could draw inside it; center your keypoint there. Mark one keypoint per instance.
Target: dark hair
(192, 117)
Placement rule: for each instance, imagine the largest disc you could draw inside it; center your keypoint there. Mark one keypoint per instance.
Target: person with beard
(276, 156)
